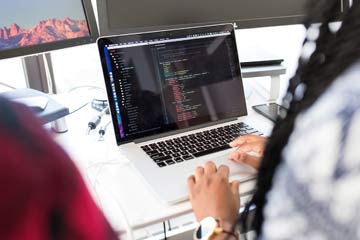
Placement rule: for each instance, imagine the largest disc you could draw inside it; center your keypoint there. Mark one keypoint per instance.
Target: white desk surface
(111, 178)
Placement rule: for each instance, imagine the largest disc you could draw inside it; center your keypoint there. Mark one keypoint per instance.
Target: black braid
(335, 52)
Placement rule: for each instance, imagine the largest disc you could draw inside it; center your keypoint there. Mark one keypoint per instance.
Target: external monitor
(31, 29)
(37, 26)
(125, 16)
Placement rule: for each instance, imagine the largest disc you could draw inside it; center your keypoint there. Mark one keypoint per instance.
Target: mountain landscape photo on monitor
(27, 30)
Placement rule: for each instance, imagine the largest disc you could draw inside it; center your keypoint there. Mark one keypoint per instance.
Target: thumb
(235, 187)
(237, 142)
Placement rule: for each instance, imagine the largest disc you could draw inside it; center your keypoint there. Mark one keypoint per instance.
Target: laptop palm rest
(178, 174)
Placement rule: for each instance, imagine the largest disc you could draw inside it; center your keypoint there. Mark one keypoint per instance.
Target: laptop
(176, 99)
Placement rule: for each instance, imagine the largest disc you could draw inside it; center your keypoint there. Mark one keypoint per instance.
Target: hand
(246, 144)
(211, 194)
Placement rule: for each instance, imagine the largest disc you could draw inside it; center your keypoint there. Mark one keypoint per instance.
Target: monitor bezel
(46, 47)
(106, 30)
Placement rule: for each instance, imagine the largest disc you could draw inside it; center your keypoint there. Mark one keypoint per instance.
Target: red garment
(42, 193)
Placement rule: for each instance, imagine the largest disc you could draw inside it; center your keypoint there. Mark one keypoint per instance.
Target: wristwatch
(209, 227)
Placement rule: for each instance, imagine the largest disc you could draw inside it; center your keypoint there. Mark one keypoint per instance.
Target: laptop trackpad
(238, 171)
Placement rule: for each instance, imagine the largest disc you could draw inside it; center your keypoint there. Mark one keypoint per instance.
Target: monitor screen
(171, 80)
(124, 16)
(40, 25)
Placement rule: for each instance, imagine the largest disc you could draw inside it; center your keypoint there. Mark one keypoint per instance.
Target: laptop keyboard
(188, 147)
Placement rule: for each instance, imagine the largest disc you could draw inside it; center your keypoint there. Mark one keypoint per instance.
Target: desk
(116, 186)
(273, 72)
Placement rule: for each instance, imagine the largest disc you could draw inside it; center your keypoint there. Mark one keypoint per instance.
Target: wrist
(230, 230)
(225, 236)
(227, 226)
(215, 229)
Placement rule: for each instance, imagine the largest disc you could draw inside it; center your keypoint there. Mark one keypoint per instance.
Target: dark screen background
(170, 86)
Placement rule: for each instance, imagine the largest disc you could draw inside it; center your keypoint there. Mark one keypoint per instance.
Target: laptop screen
(170, 80)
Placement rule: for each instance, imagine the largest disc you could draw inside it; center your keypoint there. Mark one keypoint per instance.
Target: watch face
(206, 228)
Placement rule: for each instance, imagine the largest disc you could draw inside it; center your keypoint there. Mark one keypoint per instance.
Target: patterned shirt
(316, 191)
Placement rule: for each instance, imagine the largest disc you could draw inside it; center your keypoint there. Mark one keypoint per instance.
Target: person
(308, 184)
(42, 193)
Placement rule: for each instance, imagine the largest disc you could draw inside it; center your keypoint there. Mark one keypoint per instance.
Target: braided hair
(327, 53)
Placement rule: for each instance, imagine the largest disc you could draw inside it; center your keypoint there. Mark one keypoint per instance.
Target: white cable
(129, 231)
(7, 85)
(93, 186)
(90, 87)
(96, 184)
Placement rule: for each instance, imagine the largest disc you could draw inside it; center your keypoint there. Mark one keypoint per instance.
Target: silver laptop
(176, 99)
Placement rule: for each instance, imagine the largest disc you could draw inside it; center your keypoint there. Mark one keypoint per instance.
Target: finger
(239, 156)
(210, 168)
(235, 156)
(199, 173)
(242, 157)
(224, 170)
(235, 187)
(251, 147)
(247, 139)
(238, 141)
(191, 184)
(252, 161)
(245, 158)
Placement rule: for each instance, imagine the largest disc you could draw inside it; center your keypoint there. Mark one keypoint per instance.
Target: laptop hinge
(161, 135)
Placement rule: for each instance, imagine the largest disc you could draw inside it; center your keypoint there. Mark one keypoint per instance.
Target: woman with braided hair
(308, 183)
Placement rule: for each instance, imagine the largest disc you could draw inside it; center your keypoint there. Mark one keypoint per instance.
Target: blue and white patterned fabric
(316, 191)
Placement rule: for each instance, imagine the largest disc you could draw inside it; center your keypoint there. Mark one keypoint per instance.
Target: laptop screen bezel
(104, 41)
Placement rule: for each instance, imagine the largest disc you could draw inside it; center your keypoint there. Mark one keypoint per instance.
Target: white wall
(283, 41)
(11, 73)
(80, 65)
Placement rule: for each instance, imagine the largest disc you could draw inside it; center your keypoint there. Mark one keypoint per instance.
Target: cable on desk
(102, 131)
(92, 101)
(85, 86)
(169, 225)
(129, 231)
(79, 108)
(99, 104)
(101, 165)
(164, 227)
(96, 184)
(7, 85)
(110, 162)
(95, 121)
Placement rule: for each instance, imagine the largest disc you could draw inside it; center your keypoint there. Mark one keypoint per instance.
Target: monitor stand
(39, 75)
